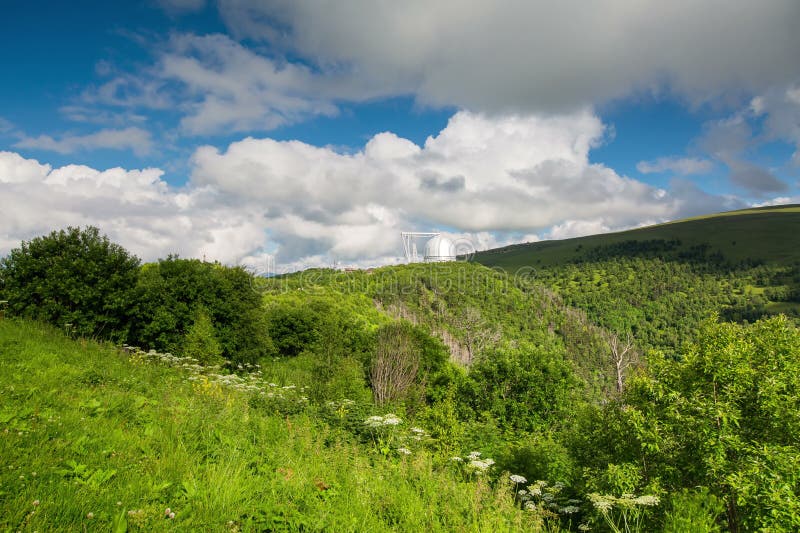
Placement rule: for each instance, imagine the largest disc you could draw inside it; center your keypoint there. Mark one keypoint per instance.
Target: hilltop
(758, 235)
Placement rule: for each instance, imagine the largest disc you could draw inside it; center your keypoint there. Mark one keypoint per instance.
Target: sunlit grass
(93, 438)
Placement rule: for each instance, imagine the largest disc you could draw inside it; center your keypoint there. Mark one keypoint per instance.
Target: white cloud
(577, 228)
(511, 56)
(219, 86)
(492, 180)
(494, 177)
(675, 165)
(132, 138)
(134, 207)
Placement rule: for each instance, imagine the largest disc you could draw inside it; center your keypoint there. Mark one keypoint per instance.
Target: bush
(72, 278)
(696, 511)
(523, 388)
(173, 292)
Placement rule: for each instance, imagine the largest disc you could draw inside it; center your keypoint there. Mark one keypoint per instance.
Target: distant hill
(758, 235)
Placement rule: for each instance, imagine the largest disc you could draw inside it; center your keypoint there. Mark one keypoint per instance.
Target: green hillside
(602, 394)
(767, 234)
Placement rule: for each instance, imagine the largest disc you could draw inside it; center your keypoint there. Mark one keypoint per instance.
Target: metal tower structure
(410, 244)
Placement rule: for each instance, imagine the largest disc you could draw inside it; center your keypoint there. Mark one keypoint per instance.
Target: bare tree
(623, 355)
(477, 333)
(395, 366)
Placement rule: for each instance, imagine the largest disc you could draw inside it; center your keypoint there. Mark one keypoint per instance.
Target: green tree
(725, 417)
(171, 294)
(201, 340)
(74, 277)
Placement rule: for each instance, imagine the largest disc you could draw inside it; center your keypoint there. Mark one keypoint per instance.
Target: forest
(648, 385)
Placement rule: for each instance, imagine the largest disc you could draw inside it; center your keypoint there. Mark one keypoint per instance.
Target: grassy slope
(71, 412)
(771, 234)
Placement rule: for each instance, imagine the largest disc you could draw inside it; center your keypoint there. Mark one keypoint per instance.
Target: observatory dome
(440, 249)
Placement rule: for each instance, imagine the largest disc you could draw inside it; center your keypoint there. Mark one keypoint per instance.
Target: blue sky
(235, 129)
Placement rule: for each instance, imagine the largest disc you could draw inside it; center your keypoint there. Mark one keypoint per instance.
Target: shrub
(74, 278)
(173, 292)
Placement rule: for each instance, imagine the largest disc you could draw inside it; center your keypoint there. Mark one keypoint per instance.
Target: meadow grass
(94, 439)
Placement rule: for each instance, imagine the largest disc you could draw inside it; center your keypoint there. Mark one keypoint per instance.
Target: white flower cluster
(605, 503)
(517, 479)
(250, 382)
(474, 462)
(377, 421)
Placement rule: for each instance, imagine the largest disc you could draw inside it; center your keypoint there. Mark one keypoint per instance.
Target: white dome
(440, 249)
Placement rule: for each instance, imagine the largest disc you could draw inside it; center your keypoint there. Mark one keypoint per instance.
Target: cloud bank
(534, 56)
(491, 179)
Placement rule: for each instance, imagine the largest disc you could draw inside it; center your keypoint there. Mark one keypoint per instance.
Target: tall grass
(92, 439)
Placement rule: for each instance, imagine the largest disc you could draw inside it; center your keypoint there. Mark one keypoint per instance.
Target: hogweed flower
(517, 479)
(648, 500)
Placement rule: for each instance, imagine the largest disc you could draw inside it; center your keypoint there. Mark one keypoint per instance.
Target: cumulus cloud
(134, 207)
(132, 138)
(511, 56)
(492, 180)
(676, 165)
(481, 175)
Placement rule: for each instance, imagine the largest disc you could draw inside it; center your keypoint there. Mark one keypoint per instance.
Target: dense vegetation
(633, 390)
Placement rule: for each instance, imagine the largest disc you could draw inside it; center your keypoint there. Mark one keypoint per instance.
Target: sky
(298, 133)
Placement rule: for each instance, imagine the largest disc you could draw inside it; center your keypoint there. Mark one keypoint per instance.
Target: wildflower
(171, 516)
(374, 421)
(119, 503)
(518, 479)
(89, 516)
(391, 420)
(473, 455)
(457, 459)
(600, 503)
(530, 506)
(36, 503)
(418, 431)
(569, 509)
(481, 466)
(404, 451)
(648, 500)
(167, 511)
